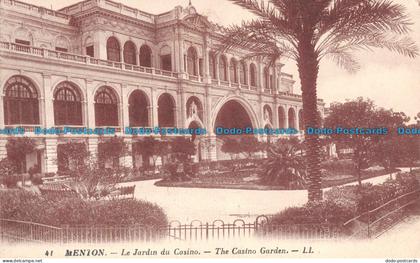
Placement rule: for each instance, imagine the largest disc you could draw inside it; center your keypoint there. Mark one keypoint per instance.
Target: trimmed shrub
(344, 203)
(27, 206)
(315, 213)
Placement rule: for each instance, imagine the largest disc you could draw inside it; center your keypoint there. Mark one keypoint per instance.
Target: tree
(391, 149)
(231, 146)
(112, 149)
(92, 180)
(17, 149)
(249, 145)
(180, 167)
(71, 156)
(150, 147)
(383, 147)
(284, 165)
(310, 30)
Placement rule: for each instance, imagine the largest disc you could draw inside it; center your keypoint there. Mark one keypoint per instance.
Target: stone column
(286, 114)
(125, 116)
(93, 147)
(206, 61)
(90, 104)
(181, 108)
(3, 152)
(2, 121)
(100, 45)
(48, 102)
(128, 159)
(217, 61)
(154, 101)
(51, 155)
(276, 114)
(260, 76)
(212, 148)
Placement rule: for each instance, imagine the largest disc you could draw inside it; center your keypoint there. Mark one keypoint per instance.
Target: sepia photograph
(221, 129)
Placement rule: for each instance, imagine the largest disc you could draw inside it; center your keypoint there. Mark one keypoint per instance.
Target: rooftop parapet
(36, 11)
(111, 6)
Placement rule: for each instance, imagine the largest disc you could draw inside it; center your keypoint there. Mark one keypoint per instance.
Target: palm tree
(284, 164)
(310, 30)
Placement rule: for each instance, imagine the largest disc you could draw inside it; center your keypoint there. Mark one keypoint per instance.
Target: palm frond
(261, 38)
(359, 17)
(344, 60)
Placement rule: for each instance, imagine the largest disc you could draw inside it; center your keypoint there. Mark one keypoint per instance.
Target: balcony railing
(53, 54)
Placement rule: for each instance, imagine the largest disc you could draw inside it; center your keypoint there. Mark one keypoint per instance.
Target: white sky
(391, 80)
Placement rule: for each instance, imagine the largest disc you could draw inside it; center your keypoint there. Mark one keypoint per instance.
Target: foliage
(71, 156)
(344, 203)
(367, 148)
(369, 196)
(314, 213)
(180, 167)
(231, 146)
(17, 149)
(94, 181)
(308, 31)
(7, 167)
(151, 147)
(27, 206)
(112, 149)
(247, 145)
(284, 166)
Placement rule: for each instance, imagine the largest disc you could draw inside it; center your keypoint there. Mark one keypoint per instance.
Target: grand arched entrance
(232, 115)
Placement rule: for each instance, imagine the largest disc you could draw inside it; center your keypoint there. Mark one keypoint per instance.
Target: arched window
(67, 105)
(212, 65)
(106, 107)
(223, 68)
(301, 122)
(266, 78)
(113, 49)
(292, 118)
(192, 61)
(145, 56)
(166, 110)
(282, 118)
(166, 58)
(242, 73)
(20, 101)
(233, 68)
(130, 53)
(138, 109)
(253, 75)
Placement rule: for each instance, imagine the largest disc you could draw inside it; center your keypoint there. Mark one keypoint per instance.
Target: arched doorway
(232, 115)
(166, 110)
(138, 109)
(292, 118)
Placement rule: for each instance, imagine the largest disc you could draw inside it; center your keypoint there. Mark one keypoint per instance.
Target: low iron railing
(375, 222)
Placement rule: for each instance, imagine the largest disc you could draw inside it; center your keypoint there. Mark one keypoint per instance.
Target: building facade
(100, 63)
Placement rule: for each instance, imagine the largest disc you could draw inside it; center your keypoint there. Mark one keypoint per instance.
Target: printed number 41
(49, 253)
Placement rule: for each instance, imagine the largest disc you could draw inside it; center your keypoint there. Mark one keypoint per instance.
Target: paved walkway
(207, 205)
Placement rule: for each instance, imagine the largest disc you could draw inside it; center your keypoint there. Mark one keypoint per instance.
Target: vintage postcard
(250, 129)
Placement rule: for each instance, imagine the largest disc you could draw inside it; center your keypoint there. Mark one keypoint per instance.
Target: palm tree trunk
(308, 66)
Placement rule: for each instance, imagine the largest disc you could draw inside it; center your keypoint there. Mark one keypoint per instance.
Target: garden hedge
(28, 206)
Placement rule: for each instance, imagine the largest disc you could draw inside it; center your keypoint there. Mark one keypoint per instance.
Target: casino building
(100, 63)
